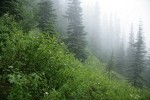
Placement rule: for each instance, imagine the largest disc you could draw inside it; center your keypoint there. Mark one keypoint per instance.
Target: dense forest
(49, 50)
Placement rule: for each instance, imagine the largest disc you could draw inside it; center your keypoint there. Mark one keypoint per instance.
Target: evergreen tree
(46, 17)
(120, 63)
(130, 52)
(146, 73)
(148, 59)
(139, 59)
(111, 64)
(11, 7)
(4, 6)
(76, 36)
(24, 13)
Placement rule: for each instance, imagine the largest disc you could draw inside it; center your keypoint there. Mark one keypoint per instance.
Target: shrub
(39, 67)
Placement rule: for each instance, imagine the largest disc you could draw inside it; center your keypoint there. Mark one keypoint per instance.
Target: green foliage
(25, 57)
(39, 67)
(139, 60)
(46, 17)
(76, 36)
(6, 6)
(24, 13)
(90, 83)
(6, 28)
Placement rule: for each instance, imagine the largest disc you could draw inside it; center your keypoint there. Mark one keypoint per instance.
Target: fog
(108, 22)
(127, 11)
(119, 14)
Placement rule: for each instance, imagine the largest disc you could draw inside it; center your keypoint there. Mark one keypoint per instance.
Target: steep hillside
(38, 67)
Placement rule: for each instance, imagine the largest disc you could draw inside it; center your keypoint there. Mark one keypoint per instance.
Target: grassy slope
(91, 83)
(39, 67)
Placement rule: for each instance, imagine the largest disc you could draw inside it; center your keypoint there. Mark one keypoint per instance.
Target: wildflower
(46, 93)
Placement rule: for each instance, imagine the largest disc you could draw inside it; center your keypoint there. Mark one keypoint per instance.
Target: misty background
(110, 21)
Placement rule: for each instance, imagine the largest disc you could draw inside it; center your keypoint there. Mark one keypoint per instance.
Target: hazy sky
(128, 11)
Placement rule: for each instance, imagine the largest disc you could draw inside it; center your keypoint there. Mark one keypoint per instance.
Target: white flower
(46, 93)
